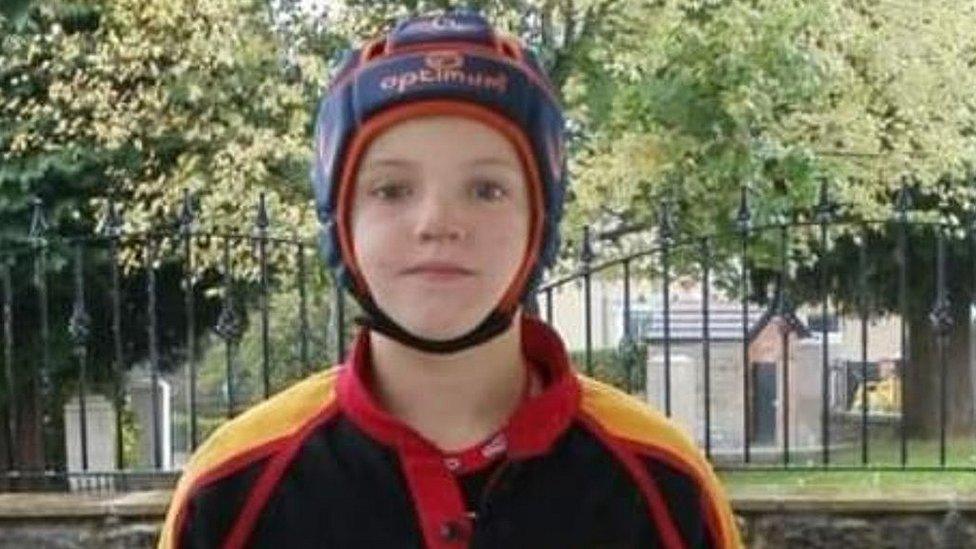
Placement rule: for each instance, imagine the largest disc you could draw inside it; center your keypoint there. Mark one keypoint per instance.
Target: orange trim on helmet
(387, 118)
(509, 45)
(371, 49)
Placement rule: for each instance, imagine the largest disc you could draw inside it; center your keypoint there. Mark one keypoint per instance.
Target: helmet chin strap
(375, 319)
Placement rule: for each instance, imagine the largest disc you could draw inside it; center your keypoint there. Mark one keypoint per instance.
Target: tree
(177, 95)
(715, 96)
(140, 102)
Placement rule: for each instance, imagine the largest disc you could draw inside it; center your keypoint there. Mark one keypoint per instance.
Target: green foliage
(680, 98)
(144, 101)
(708, 97)
(14, 10)
(701, 107)
(285, 359)
(624, 367)
(130, 438)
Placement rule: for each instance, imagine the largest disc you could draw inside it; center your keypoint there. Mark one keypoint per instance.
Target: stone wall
(879, 519)
(781, 520)
(70, 521)
(941, 529)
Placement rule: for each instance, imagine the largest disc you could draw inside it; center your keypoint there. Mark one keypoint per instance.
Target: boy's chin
(442, 329)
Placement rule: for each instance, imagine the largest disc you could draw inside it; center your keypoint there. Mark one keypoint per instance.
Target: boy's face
(439, 222)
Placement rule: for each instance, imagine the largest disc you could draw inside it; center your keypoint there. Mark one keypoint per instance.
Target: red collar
(533, 428)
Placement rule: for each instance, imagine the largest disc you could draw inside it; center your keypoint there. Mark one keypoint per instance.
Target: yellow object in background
(883, 395)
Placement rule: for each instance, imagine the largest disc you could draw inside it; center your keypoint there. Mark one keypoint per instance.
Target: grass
(884, 449)
(840, 482)
(884, 452)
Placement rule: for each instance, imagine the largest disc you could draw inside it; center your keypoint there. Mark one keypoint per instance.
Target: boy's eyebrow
(396, 162)
(491, 161)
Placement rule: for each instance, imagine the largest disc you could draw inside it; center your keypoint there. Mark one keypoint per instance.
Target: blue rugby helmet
(449, 64)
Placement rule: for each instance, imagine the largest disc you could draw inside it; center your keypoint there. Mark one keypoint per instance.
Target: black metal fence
(748, 389)
(901, 267)
(81, 313)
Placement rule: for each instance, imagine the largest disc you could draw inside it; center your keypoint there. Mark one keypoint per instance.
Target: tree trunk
(923, 389)
(28, 448)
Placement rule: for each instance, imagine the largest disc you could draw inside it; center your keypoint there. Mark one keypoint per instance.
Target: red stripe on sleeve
(657, 507)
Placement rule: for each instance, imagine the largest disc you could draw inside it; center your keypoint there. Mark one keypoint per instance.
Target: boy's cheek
(372, 232)
(374, 265)
(506, 235)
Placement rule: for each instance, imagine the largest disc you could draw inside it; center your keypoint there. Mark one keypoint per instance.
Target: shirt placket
(437, 497)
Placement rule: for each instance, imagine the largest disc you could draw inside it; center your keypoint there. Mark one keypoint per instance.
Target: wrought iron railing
(838, 448)
(132, 325)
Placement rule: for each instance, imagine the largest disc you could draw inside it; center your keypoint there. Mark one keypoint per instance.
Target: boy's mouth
(437, 269)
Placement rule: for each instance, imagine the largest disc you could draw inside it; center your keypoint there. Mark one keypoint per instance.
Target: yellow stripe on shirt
(279, 416)
(627, 418)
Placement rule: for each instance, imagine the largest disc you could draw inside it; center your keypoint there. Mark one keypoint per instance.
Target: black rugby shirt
(321, 464)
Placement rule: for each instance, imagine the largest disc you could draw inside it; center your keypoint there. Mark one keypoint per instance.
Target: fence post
(230, 327)
(706, 341)
(261, 223)
(42, 385)
(972, 290)
(10, 428)
(864, 303)
(627, 345)
(186, 233)
(157, 437)
(824, 211)
(113, 229)
(586, 258)
(902, 206)
(303, 310)
(782, 308)
(666, 236)
(744, 225)
(79, 327)
(942, 324)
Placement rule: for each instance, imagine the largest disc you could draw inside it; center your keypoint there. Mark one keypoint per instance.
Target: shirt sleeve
(204, 518)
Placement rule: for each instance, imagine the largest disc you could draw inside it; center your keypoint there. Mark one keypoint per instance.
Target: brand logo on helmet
(445, 60)
(444, 68)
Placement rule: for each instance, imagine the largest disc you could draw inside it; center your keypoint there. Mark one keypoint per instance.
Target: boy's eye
(486, 189)
(393, 190)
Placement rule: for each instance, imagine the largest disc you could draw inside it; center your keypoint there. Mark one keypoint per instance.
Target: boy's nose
(438, 221)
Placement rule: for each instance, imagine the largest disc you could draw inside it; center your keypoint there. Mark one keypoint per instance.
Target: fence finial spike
(79, 324)
(186, 212)
(262, 220)
(744, 216)
(231, 322)
(586, 248)
(113, 221)
(825, 207)
(666, 225)
(39, 224)
(903, 202)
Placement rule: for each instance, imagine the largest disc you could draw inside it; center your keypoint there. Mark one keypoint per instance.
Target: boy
(456, 420)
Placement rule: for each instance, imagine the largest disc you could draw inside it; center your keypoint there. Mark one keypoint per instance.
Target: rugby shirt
(322, 464)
